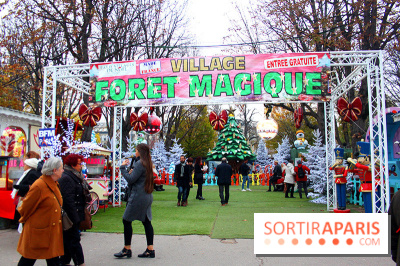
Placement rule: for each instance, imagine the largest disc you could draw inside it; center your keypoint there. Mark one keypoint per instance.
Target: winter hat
(32, 162)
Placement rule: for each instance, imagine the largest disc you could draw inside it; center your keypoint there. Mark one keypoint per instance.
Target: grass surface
(208, 217)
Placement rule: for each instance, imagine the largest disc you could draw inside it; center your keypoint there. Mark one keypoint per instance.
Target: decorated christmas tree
(315, 160)
(175, 152)
(159, 156)
(283, 152)
(231, 143)
(262, 155)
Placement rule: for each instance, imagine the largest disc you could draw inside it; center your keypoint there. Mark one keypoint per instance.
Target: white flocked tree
(315, 160)
(262, 155)
(283, 152)
(175, 152)
(159, 156)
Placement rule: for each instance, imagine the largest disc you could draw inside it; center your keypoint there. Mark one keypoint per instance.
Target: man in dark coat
(394, 212)
(224, 173)
(244, 171)
(277, 173)
(179, 179)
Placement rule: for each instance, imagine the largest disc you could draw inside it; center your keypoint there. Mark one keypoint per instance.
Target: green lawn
(208, 217)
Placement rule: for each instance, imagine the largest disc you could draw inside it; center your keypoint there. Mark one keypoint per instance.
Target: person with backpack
(301, 177)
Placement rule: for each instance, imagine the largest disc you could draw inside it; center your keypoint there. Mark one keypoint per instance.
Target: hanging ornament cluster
(349, 111)
(218, 122)
(138, 123)
(89, 116)
(298, 117)
(153, 125)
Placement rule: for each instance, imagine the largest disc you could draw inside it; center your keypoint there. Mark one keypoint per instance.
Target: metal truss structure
(364, 65)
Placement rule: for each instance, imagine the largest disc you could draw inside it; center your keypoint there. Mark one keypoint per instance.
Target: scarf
(79, 175)
(182, 168)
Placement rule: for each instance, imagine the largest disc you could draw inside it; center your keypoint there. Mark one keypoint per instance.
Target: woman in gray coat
(139, 203)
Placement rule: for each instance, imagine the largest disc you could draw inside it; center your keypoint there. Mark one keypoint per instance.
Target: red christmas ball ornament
(153, 125)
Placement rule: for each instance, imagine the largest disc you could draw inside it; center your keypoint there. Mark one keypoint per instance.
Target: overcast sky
(209, 22)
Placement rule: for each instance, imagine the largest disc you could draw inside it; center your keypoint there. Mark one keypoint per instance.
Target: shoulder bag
(87, 223)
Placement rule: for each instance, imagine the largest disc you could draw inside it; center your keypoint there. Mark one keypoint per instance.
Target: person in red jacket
(301, 177)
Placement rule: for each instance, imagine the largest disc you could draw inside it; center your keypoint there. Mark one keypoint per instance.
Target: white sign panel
(321, 234)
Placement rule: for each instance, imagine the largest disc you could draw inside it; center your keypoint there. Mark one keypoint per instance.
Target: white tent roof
(95, 149)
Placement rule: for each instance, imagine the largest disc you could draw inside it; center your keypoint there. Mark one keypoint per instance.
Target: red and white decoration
(153, 125)
(7, 144)
(298, 117)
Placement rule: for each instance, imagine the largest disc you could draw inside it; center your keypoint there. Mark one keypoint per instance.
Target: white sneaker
(248, 189)
(243, 190)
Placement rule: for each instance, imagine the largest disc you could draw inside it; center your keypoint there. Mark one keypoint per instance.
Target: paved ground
(179, 250)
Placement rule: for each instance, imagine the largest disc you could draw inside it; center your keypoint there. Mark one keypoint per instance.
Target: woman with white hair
(42, 233)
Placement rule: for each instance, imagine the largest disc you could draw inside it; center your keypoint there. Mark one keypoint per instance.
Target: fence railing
(210, 179)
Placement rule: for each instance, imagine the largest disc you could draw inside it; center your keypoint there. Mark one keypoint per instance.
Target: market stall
(95, 173)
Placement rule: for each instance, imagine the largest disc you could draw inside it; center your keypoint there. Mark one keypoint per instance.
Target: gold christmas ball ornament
(267, 129)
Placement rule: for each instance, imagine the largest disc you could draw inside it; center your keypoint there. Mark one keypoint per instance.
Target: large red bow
(89, 116)
(298, 117)
(218, 122)
(349, 111)
(139, 123)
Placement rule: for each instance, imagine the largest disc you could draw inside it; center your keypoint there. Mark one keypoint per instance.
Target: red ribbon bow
(89, 116)
(298, 117)
(138, 123)
(349, 111)
(218, 121)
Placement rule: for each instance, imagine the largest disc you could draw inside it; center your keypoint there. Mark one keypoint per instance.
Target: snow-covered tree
(175, 152)
(262, 155)
(316, 161)
(159, 156)
(282, 154)
(130, 148)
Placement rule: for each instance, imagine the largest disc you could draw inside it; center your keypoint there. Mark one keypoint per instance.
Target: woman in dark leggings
(139, 203)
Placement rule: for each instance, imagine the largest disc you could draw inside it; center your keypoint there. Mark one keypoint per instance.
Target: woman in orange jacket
(42, 233)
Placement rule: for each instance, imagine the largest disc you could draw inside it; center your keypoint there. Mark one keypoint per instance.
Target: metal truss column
(49, 103)
(116, 147)
(331, 200)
